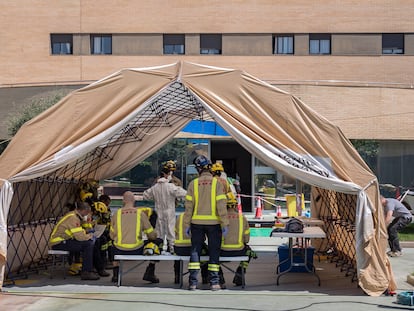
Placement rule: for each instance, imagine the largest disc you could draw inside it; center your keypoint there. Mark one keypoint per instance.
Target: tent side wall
(34, 211)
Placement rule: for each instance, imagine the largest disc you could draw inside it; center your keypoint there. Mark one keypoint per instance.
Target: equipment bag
(294, 225)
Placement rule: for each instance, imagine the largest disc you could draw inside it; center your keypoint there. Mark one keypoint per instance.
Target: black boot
(115, 275)
(149, 274)
(237, 280)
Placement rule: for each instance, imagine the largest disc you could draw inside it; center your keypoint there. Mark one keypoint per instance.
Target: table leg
(181, 273)
(120, 272)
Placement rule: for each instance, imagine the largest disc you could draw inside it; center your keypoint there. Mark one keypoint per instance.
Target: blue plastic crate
(406, 298)
(298, 257)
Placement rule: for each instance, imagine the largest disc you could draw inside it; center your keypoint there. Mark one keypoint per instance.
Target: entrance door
(236, 162)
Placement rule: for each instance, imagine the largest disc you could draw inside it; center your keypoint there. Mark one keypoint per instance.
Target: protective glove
(91, 231)
(251, 254)
(187, 231)
(224, 231)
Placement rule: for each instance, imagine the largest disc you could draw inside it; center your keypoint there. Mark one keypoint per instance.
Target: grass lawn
(407, 234)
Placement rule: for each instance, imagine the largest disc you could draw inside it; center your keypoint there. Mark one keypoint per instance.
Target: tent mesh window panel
(34, 211)
(338, 213)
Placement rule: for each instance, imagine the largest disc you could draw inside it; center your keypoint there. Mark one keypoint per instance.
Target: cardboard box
(298, 257)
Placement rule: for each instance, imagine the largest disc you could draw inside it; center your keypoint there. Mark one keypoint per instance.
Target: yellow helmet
(100, 207)
(217, 167)
(151, 249)
(89, 190)
(85, 195)
(231, 202)
(170, 165)
(231, 196)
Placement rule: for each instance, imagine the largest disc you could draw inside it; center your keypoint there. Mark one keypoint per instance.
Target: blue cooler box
(298, 257)
(406, 298)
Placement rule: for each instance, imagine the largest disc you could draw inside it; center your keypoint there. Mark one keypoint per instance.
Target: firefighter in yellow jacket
(182, 245)
(127, 226)
(69, 235)
(235, 242)
(183, 248)
(205, 215)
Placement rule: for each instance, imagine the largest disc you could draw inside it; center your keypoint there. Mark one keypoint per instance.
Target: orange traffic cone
(239, 205)
(279, 211)
(259, 214)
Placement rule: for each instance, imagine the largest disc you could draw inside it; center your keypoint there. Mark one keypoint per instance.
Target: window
(174, 44)
(392, 43)
(210, 44)
(61, 44)
(101, 44)
(319, 44)
(283, 44)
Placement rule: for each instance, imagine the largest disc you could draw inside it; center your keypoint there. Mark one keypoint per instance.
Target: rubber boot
(149, 274)
(237, 280)
(176, 272)
(214, 281)
(192, 279)
(115, 275)
(75, 268)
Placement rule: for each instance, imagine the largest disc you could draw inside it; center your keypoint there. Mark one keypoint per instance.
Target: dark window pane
(210, 43)
(61, 43)
(393, 43)
(174, 44)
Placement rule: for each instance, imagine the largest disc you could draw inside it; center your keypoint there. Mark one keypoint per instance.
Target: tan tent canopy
(108, 127)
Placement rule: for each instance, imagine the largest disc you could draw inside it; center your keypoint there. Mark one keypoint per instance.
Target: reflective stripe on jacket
(127, 226)
(68, 227)
(181, 239)
(238, 234)
(205, 201)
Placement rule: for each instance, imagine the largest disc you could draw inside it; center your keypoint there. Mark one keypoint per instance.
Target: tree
(368, 150)
(147, 170)
(34, 107)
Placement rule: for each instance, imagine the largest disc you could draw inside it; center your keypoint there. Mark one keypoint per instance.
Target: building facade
(351, 61)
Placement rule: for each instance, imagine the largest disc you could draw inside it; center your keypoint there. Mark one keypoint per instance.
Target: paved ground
(296, 291)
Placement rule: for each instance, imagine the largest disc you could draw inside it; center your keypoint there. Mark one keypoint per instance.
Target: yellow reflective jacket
(239, 232)
(181, 239)
(205, 202)
(127, 226)
(229, 192)
(69, 227)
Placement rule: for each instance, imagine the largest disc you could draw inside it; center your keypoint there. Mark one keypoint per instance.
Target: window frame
(211, 44)
(102, 44)
(320, 38)
(390, 39)
(277, 46)
(175, 42)
(58, 41)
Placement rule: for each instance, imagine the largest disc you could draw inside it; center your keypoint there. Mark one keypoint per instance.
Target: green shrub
(407, 234)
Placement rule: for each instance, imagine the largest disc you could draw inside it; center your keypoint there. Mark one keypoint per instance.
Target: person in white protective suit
(164, 193)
